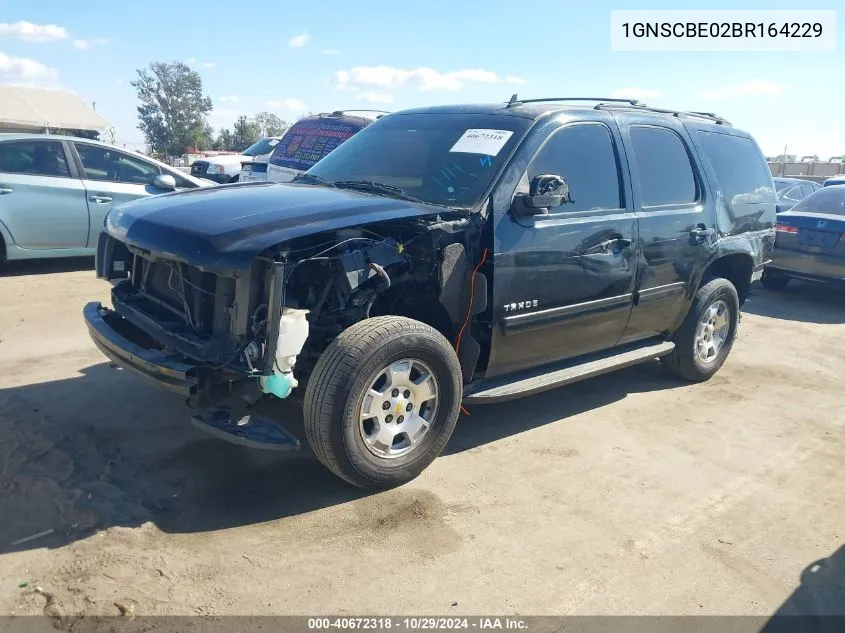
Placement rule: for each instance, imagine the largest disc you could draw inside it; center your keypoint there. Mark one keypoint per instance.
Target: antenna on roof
(514, 100)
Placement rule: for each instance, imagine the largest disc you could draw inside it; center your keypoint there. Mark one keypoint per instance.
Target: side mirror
(545, 192)
(165, 181)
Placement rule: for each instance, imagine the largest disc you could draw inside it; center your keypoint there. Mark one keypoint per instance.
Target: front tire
(383, 401)
(705, 338)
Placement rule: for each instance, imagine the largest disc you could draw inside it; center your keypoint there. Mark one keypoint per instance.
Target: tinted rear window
(309, 140)
(664, 168)
(743, 173)
(829, 200)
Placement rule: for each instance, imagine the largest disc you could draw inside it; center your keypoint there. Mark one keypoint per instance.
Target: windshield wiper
(317, 180)
(378, 187)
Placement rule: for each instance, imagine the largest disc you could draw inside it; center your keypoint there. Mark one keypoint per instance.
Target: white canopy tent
(40, 110)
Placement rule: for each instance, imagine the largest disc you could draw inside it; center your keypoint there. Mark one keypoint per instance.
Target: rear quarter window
(743, 174)
(309, 140)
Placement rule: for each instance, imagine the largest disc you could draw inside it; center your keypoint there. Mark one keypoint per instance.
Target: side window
(105, 163)
(806, 190)
(584, 155)
(665, 173)
(795, 194)
(743, 174)
(37, 158)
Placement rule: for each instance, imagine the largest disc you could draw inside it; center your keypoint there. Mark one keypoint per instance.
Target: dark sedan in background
(791, 191)
(810, 244)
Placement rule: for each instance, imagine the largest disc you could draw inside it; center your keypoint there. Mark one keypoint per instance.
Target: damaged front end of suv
(226, 337)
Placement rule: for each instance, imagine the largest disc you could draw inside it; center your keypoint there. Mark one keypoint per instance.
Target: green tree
(223, 142)
(173, 109)
(204, 139)
(270, 124)
(245, 133)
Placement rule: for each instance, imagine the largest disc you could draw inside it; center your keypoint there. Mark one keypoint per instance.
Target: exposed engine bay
(260, 331)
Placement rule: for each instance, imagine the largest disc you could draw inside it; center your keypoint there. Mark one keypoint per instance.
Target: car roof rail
(516, 101)
(676, 113)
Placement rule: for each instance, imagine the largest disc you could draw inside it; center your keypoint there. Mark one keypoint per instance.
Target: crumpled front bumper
(124, 344)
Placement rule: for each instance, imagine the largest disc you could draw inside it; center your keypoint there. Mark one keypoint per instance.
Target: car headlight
(112, 222)
(214, 169)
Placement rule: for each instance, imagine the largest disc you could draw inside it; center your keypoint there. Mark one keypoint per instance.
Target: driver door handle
(99, 199)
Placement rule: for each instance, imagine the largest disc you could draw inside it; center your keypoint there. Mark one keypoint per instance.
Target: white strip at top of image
(728, 30)
(482, 141)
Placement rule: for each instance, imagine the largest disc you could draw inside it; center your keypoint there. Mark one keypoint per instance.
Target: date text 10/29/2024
(418, 624)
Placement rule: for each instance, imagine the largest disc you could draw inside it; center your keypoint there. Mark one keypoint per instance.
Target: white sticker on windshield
(481, 141)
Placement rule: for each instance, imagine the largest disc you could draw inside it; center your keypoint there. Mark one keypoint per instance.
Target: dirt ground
(631, 493)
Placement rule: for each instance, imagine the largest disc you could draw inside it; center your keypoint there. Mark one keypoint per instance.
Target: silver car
(55, 192)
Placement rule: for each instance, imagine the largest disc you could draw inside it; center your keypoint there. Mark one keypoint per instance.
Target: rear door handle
(5, 190)
(99, 199)
(701, 231)
(614, 245)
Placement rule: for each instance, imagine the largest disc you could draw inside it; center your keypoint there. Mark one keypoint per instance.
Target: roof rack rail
(516, 101)
(677, 113)
(342, 112)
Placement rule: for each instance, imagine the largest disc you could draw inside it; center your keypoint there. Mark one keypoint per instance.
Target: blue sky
(288, 57)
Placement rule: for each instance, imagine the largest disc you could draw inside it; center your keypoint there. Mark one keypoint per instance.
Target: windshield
(444, 159)
(264, 146)
(829, 200)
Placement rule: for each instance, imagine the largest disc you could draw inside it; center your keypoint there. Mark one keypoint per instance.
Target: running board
(251, 431)
(535, 381)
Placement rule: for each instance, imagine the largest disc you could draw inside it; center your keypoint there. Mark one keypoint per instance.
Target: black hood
(226, 227)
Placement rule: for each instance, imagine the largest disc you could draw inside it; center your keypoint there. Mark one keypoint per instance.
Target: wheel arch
(736, 267)
(6, 238)
(417, 302)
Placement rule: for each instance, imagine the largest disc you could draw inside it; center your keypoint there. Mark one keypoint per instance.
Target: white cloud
(208, 64)
(640, 94)
(513, 79)
(299, 40)
(376, 97)
(83, 44)
(293, 105)
(30, 32)
(421, 78)
(230, 99)
(24, 68)
(747, 88)
(331, 51)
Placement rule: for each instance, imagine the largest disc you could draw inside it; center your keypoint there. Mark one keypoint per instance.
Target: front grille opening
(178, 294)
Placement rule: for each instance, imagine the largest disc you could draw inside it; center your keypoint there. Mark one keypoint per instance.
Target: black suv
(442, 255)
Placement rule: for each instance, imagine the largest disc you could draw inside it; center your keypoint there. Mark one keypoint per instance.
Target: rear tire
(370, 415)
(706, 337)
(774, 281)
